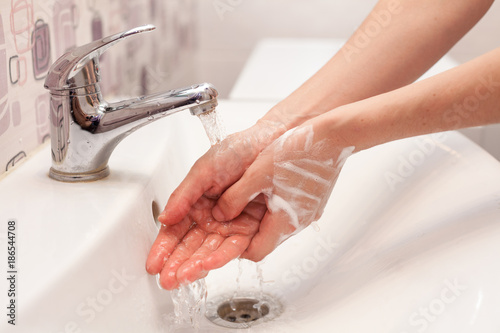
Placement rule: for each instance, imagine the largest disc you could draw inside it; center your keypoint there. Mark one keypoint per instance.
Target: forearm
(466, 96)
(396, 44)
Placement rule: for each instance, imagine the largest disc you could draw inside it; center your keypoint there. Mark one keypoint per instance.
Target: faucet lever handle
(79, 67)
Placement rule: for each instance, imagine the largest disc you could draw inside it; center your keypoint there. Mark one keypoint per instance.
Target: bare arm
(396, 44)
(468, 95)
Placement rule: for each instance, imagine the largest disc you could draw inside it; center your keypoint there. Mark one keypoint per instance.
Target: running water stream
(189, 304)
(214, 127)
(189, 300)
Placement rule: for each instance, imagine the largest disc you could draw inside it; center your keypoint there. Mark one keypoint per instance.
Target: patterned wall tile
(35, 33)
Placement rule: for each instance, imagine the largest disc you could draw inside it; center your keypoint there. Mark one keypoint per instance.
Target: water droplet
(164, 113)
(72, 122)
(232, 304)
(68, 141)
(151, 118)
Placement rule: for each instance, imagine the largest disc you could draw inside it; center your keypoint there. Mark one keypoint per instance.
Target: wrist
(362, 125)
(302, 105)
(284, 115)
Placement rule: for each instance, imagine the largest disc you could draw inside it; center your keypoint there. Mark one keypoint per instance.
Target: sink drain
(242, 312)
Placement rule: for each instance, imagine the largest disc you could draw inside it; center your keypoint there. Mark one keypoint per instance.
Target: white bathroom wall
(229, 29)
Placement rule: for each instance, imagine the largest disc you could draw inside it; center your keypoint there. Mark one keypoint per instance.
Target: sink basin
(408, 241)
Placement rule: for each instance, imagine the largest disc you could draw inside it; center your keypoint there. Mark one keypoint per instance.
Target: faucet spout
(138, 112)
(85, 128)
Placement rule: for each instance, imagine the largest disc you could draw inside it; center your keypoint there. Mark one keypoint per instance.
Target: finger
(197, 181)
(190, 243)
(165, 243)
(242, 225)
(274, 229)
(230, 249)
(260, 199)
(192, 269)
(247, 223)
(256, 209)
(236, 198)
(235, 227)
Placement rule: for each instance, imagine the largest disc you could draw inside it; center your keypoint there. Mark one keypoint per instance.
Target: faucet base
(78, 177)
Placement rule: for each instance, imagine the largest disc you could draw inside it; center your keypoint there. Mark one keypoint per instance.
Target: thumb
(234, 200)
(186, 194)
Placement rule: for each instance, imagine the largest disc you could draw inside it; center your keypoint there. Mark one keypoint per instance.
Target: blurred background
(195, 41)
(228, 31)
(227, 37)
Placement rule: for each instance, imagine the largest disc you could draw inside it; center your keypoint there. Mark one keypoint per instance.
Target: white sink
(82, 247)
(420, 255)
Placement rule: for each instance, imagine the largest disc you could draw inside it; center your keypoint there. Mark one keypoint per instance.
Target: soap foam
(316, 172)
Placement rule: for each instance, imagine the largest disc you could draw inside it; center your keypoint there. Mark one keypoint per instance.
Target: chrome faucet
(85, 129)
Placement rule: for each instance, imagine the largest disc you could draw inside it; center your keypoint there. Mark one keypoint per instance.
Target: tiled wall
(34, 33)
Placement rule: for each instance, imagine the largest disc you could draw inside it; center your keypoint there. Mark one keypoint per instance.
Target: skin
(226, 207)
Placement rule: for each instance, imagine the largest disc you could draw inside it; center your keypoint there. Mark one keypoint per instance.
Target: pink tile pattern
(34, 33)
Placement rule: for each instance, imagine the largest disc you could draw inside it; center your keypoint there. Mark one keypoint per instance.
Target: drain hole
(242, 312)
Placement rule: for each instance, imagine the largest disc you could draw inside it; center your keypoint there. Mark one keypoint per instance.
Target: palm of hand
(186, 251)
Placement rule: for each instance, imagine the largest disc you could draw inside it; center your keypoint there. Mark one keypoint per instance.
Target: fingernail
(164, 215)
(162, 218)
(217, 214)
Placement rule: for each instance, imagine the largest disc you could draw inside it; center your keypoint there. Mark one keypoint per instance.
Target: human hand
(186, 251)
(191, 242)
(282, 192)
(219, 168)
(296, 175)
